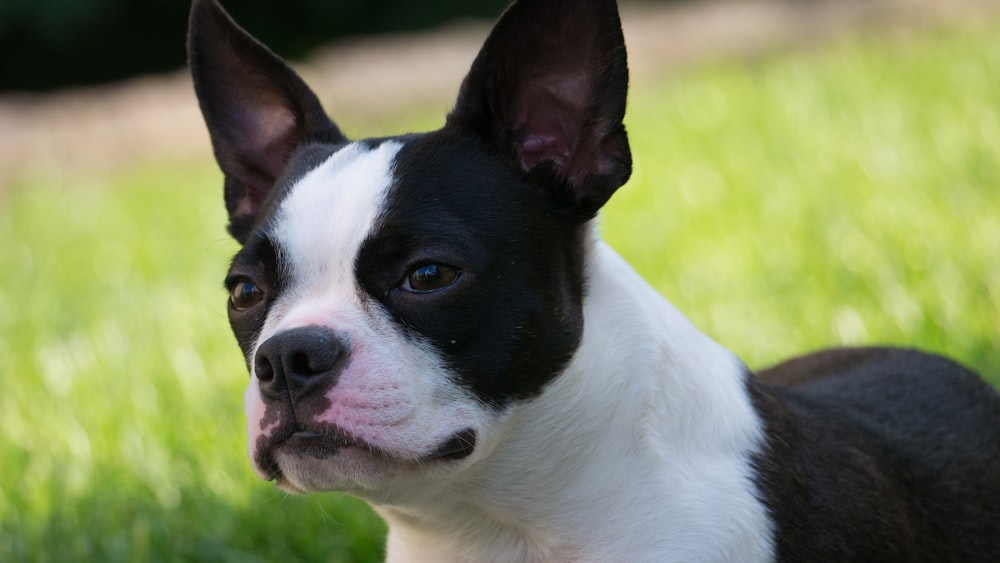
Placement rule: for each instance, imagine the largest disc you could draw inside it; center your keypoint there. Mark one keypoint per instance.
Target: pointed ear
(258, 110)
(548, 92)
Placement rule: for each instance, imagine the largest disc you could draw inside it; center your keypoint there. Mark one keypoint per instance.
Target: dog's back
(871, 444)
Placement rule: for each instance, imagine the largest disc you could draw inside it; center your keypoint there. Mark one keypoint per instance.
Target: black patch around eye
(512, 317)
(256, 278)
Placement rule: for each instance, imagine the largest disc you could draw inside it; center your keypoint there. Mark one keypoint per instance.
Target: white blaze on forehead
(329, 212)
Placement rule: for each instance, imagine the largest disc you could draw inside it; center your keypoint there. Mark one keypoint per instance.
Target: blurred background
(808, 173)
(75, 42)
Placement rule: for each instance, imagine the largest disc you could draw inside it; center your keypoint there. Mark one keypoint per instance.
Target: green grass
(847, 195)
(843, 195)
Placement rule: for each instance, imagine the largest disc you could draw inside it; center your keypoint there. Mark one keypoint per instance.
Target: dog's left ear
(548, 91)
(258, 110)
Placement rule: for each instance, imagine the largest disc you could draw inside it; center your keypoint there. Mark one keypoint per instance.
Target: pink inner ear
(266, 135)
(539, 149)
(548, 121)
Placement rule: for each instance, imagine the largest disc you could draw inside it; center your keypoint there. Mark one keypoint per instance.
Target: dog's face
(389, 317)
(396, 298)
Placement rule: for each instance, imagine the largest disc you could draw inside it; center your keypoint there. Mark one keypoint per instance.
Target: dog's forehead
(328, 212)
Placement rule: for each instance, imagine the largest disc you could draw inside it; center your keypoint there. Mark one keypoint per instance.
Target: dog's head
(396, 297)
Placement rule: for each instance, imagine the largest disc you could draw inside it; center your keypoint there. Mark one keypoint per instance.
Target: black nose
(299, 361)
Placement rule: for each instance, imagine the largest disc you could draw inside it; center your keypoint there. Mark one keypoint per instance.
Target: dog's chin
(348, 469)
(307, 463)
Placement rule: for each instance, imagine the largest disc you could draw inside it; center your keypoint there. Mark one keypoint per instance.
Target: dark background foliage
(46, 44)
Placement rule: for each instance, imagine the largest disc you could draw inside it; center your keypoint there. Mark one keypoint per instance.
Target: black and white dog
(432, 324)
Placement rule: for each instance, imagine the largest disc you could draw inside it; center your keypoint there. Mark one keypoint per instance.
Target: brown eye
(245, 294)
(430, 277)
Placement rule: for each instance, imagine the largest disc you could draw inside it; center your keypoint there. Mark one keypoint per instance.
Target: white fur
(329, 212)
(638, 452)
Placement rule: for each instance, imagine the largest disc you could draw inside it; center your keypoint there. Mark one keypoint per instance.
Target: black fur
(520, 257)
(881, 455)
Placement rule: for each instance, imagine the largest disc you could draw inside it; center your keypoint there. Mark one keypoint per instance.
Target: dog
(432, 324)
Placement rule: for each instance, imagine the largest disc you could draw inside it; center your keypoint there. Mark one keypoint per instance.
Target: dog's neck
(645, 437)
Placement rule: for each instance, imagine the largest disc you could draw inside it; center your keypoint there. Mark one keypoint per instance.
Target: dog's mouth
(330, 442)
(460, 445)
(324, 445)
(306, 444)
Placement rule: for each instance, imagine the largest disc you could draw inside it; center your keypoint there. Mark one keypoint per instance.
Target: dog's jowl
(431, 323)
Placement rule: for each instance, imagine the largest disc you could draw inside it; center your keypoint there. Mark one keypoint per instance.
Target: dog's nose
(298, 361)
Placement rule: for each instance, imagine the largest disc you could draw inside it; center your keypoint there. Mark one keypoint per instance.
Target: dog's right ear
(258, 110)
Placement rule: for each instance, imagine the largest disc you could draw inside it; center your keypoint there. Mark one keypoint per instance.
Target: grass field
(845, 194)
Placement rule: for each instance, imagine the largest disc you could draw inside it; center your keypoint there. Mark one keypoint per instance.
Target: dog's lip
(322, 445)
(460, 445)
(330, 443)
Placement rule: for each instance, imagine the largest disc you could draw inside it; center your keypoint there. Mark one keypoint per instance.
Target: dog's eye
(431, 277)
(245, 294)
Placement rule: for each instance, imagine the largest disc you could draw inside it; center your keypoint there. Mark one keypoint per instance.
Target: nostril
(313, 352)
(263, 368)
(299, 363)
